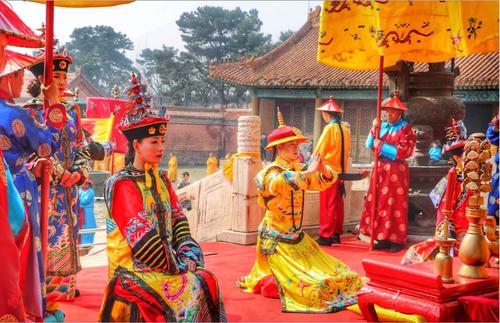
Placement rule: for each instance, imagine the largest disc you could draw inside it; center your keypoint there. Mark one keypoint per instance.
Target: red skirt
(391, 220)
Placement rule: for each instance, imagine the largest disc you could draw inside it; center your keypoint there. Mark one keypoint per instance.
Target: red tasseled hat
(394, 103)
(331, 106)
(284, 134)
(140, 121)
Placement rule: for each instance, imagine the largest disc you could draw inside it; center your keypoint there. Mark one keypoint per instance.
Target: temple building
(291, 77)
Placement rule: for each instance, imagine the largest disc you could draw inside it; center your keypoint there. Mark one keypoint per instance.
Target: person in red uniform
(457, 221)
(11, 301)
(395, 145)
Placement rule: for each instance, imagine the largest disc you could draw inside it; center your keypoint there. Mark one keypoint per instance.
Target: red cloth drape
(478, 308)
(11, 302)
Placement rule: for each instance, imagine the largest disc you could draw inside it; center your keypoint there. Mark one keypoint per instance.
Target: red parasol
(14, 32)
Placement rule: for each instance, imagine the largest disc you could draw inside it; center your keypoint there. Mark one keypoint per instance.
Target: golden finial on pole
(281, 121)
(474, 252)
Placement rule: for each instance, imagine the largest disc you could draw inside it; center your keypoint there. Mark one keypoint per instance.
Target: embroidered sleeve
(138, 229)
(317, 182)
(370, 139)
(82, 162)
(38, 138)
(281, 182)
(389, 151)
(492, 135)
(184, 244)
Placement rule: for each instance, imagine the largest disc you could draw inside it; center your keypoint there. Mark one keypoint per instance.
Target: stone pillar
(255, 105)
(246, 214)
(317, 121)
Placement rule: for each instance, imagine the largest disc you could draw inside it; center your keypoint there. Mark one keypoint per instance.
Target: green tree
(100, 53)
(174, 77)
(213, 35)
(284, 35)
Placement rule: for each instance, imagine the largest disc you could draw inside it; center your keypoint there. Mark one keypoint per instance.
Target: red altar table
(415, 289)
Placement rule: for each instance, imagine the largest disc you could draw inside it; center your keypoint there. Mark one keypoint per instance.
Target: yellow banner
(354, 33)
(85, 3)
(100, 128)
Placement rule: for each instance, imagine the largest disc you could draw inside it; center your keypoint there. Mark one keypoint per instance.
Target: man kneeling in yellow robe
(308, 279)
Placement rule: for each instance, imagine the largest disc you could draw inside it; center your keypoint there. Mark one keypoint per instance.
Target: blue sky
(151, 24)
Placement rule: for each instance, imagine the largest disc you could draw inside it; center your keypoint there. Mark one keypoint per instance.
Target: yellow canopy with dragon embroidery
(354, 33)
(85, 3)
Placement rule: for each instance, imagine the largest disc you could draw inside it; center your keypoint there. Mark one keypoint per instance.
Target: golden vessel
(474, 251)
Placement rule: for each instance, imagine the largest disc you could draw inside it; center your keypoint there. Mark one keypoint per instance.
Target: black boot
(324, 241)
(336, 239)
(395, 247)
(382, 244)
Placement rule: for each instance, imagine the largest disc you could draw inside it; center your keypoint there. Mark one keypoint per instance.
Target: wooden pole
(376, 156)
(46, 169)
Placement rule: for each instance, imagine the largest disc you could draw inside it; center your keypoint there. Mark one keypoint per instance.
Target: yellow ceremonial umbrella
(49, 53)
(85, 3)
(362, 34)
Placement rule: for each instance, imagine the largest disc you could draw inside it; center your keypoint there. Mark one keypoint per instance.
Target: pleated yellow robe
(308, 279)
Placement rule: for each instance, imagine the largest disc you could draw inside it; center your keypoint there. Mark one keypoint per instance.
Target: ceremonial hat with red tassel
(331, 106)
(394, 103)
(284, 134)
(141, 121)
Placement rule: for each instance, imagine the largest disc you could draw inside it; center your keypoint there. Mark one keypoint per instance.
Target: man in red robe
(395, 145)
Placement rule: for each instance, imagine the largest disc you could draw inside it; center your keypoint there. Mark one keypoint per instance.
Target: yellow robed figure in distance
(211, 164)
(308, 279)
(172, 168)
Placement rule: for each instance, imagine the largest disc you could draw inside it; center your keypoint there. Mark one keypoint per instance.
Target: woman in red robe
(11, 302)
(395, 145)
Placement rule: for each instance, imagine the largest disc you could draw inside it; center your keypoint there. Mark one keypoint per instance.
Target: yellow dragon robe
(308, 279)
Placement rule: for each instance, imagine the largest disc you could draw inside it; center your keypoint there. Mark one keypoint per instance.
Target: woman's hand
(191, 265)
(51, 93)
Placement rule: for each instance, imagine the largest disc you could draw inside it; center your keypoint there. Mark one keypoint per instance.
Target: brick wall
(192, 142)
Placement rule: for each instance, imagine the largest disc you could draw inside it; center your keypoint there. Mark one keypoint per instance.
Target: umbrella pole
(46, 168)
(376, 156)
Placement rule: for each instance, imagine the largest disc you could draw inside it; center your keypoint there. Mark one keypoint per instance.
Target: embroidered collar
(288, 165)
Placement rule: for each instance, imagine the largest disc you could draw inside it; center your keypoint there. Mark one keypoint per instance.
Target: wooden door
(360, 115)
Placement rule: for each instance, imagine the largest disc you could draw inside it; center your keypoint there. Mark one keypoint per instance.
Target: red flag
(103, 108)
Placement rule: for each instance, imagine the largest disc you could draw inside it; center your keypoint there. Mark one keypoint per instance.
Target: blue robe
(435, 153)
(20, 137)
(86, 200)
(63, 260)
(492, 136)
